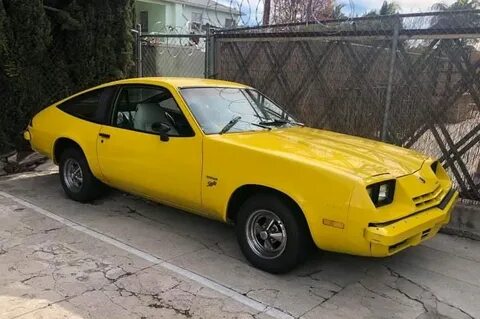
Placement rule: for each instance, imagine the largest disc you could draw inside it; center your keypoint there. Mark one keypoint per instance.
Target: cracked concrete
(49, 271)
(53, 271)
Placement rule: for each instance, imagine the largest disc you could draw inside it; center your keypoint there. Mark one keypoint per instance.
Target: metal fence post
(207, 52)
(388, 100)
(139, 51)
(210, 53)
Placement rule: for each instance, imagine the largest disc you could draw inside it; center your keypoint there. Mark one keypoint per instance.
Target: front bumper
(389, 238)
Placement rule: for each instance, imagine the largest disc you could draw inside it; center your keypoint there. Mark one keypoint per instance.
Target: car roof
(177, 82)
(181, 82)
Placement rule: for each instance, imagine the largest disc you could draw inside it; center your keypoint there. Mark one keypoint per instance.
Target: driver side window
(149, 109)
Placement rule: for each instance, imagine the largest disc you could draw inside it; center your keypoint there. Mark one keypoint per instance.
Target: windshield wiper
(230, 124)
(277, 122)
(260, 125)
(237, 119)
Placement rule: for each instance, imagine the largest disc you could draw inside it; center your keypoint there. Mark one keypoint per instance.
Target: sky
(253, 9)
(407, 6)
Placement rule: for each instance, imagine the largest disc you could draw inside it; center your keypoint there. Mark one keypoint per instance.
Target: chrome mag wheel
(73, 175)
(266, 234)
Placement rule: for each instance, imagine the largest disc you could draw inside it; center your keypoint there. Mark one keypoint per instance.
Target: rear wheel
(272, 233)
(77, 180)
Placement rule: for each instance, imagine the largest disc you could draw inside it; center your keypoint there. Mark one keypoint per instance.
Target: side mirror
(162, 129)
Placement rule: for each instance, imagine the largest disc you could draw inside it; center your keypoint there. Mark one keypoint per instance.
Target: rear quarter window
(90, 106)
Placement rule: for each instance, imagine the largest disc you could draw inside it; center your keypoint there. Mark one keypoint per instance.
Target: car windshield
(219, 110)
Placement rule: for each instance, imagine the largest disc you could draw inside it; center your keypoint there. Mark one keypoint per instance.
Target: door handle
(104, 135)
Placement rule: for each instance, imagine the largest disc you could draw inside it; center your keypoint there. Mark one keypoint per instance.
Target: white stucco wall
(216, 18)
(163, 13)
(159, 15)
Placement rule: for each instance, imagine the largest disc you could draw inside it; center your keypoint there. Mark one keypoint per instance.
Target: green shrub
(47, 54)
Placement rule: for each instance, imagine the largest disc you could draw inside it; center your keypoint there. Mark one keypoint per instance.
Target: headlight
(382, 193)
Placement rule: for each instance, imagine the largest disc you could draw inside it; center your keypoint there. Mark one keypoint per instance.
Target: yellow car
(225, 151)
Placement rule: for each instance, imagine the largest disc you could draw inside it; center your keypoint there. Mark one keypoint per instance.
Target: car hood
(353, 155)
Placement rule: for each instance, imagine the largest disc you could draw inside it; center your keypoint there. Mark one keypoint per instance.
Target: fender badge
(422, 179)
(212, 181)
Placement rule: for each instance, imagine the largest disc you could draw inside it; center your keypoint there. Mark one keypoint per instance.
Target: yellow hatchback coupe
(225, 151)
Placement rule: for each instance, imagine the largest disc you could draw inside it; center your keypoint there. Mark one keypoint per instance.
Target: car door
(135, 157)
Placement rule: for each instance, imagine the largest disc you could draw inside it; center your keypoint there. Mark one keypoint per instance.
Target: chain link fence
(412, 80)
(172, 54)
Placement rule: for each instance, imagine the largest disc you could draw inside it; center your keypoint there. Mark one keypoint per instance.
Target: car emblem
(212, 181)
(422, 179)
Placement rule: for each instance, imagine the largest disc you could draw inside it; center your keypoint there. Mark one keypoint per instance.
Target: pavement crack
(46, 231)
(160, 304)
(247, 292)
(325, 299)
(455, 307)
(42, 250)
(374, 292)
(310, 274)
(132, 211)
(126, 274)
(421, 302)
(32, 277)
(334, 294)
(312, 291)
(424, 289)
(157, 303)
(398, 276)
(218, 247)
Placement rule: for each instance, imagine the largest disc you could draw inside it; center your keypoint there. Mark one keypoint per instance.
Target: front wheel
(77, 180)
(272, 233)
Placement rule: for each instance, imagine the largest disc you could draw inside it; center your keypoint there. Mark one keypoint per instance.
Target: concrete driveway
(123, 257)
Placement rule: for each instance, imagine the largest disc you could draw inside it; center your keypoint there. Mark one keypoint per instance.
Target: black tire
(90, 188)
(298, 242)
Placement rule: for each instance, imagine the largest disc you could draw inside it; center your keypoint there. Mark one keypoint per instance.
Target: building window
(197, 17)
(144, 21)
(196, 21)
(230, 23)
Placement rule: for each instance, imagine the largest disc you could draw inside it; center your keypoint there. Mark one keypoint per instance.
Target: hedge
(51, 49)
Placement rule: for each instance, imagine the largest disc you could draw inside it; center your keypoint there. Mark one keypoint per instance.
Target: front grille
(429, 199)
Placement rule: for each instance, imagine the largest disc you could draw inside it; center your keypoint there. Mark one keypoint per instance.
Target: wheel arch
(60, 145)
(243, 192)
